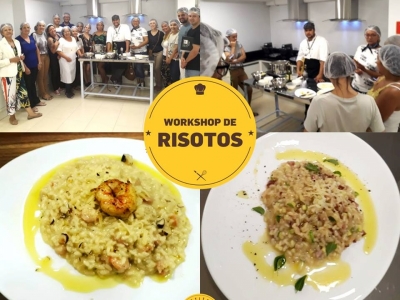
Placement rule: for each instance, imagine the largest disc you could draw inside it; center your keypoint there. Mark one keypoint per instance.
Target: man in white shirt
(313, 52)
(118, 36)
(183, 17)
(139, 41)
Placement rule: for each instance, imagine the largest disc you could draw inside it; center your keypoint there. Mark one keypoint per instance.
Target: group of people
(366, 94)
(27, 60)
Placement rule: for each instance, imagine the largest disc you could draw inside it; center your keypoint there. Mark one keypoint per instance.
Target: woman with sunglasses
(365, 59)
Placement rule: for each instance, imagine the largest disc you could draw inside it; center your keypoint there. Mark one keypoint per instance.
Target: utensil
(258, 75)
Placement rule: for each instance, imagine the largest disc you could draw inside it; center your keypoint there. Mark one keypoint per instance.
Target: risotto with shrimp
(109, 217)
(311, 213)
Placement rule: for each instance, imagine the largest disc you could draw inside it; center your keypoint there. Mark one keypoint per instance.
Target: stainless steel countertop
(112, 60)
(388, 146)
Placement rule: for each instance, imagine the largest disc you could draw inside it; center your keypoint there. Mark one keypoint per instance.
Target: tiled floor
(92, 114)
(95, 114)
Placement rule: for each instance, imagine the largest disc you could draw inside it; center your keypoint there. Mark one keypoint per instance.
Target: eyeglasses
(371, 35)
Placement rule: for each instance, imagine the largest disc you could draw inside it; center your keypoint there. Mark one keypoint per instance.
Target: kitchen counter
(105, 91)
(388, 146)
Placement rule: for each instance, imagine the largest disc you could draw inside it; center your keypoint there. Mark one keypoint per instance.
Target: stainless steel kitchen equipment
(258, 75)
(278, 67)
(99, 48)
(279, 83)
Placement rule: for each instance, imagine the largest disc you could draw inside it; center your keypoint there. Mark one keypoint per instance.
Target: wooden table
(13, 145)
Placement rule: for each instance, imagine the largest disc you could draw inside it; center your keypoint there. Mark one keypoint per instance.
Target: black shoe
(69, 95)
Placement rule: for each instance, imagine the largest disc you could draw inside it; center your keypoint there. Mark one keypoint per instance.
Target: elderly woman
(235, 56)
(155, 49)
(87, 40)
(32, 64)
(165, 71)
(386, 91)
(365, 58)
(68, 49)
(43, 74)
(79, 42)
(80, 28)
(343, 109)
(53, 41)
(12, 81)
(56, 23)
(100, 38)
(172, 58)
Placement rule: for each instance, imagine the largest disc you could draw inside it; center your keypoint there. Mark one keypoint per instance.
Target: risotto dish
(312, 215)
(107, 217)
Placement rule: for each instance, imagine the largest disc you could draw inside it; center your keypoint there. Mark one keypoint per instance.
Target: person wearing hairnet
(365, 59)
(343, 109)
(183, 17)
(212, 57)
(190, 60)
(386, 91)
(393, 40)
(235, 56)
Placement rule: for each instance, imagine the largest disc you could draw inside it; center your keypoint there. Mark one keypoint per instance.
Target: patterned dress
(14, 90)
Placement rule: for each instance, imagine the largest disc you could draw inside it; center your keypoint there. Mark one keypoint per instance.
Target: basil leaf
(312, 168)
(338, 173)
(330, 247)
(259, 209)
(311, 235)
(332, 161)
(287, 183)
(300, 283)
(356, 194)
(279, 262)
(332, 219)
(278, 218)
(290, 204)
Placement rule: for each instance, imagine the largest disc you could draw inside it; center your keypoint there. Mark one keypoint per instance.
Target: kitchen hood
(346, 10)
(297, 11)
(135, 8)
(93, 9)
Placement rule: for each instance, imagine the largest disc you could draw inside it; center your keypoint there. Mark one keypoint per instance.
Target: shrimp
(116, 198)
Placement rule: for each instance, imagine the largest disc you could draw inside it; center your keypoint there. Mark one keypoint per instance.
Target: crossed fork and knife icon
(201, 175)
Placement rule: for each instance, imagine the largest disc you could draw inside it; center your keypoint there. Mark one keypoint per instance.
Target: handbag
(151, 56)
(129, 72)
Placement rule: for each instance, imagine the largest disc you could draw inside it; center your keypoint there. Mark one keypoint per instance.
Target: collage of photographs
(200, 149)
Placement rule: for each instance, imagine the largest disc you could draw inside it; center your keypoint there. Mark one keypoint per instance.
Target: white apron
(68, 69)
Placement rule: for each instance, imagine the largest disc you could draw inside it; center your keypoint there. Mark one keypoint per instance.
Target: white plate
(324, 91)
(304, 93)
(18, 280)
(228, 220)
(325, 85)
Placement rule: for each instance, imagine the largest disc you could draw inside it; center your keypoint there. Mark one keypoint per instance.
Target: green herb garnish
(332, 161)
(338, 173)
(279, 262)
(287, 183)
(259, 209)
(291, 205)
(330, 247)
(354, 229)
(278, 218)
(312, 168)
(311, 235)
(356, 194)
(332, 219)
(300, 283)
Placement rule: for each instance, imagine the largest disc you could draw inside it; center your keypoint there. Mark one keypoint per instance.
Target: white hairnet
(195, 10)
(338, 65)
(182, 9)
(389, 56)
(393, 40)
(231, 31)
(373, 28)
(211, 49)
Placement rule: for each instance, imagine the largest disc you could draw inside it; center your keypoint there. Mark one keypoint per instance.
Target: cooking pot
(279, 67)
(258, 75)
(279, 83)
(99, 48)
